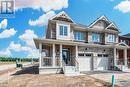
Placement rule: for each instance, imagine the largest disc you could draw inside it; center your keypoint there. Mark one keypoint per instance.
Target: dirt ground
(29, 78)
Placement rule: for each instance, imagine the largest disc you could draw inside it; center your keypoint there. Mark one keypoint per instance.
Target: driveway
(122, 79)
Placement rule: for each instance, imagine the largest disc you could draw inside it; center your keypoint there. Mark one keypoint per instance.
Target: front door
(66, 55)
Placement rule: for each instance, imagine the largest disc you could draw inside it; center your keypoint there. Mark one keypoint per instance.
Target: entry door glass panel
(66, 55)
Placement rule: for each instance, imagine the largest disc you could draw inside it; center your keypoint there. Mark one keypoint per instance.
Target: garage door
(102, 62)
(84, 62)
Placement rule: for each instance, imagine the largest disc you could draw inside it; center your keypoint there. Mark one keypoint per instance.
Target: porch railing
(47, 61)
(76, 64)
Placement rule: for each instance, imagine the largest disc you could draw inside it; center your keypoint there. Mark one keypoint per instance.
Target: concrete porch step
(71, 71)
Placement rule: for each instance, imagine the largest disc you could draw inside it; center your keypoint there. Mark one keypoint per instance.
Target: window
(88, 55)
(111, 38)
(99, 55)
(105, 55)
(125, 41)
(95, 37)
(80, 54)
(63, 30)
(79, 36)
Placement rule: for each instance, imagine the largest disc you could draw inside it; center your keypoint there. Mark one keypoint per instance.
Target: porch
(56, 55)
(122, 60)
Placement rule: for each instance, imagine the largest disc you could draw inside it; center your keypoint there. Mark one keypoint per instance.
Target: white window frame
(113, 38)
(96, 40)
(63, 37)
(77, 38)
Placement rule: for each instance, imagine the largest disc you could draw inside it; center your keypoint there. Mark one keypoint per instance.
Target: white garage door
(102, 62)
(84, 63)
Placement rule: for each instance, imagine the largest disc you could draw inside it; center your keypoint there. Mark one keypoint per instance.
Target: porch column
(40, 54)
(115, 59)
(76, 51)
(61, 55)
(125, 56)
(54, 59)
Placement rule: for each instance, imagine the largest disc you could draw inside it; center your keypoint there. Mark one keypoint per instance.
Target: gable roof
(100, 18)
(113, 26)
(122, 44)
(63, 16)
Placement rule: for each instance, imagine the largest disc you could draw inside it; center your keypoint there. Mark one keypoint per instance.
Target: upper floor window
(63, 30)
(125, 41)
(96, 37)
(111, 38)
(79, 36)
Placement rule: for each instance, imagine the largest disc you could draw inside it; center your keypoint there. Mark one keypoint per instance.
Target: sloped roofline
(63, 12)
(122, 43)
(101, 17)
(114, 25)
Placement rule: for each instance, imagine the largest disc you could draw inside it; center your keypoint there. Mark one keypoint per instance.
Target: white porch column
(115, 59)
(61, 55)
(40, 54)
(76, 51)
(125, 56)
(54, 59)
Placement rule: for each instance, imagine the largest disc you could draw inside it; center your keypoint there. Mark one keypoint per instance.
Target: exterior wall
(128, 51)
(124, 38)
(89, 37)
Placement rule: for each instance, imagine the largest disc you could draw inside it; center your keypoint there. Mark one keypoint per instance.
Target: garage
(102, 62)
(85, 62)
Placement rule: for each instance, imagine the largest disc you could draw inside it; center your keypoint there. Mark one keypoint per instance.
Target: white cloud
(45, 5)
(42, 20)
(3, 24)
(34, 53)
(48, 6)
(27, 37)
(123, 6)
(5, 53)
(8, 33)
(17, 47)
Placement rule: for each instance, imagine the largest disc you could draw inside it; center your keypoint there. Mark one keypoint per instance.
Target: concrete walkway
(122, 79)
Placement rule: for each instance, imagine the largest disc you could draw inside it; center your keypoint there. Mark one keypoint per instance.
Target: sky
(31, 17)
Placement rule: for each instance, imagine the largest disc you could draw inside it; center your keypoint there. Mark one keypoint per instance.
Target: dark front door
(66, 55)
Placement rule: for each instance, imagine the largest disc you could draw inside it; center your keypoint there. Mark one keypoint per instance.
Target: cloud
(45, 5)
(3, 24)
(42, 20)
(5, 53)
(123, 6)
(7, 33)
(28, 36)
(17, 47)
(34, 53)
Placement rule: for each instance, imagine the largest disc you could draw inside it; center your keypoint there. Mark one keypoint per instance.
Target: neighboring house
(75, 48)
(125, 39)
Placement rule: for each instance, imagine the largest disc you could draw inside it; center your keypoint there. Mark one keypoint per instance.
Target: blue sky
(16, 34)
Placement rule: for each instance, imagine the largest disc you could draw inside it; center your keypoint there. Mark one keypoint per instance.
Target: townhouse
(72, 48)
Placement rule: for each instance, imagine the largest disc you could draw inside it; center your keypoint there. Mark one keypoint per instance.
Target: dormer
(62, 16)
(60, 26)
